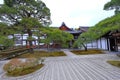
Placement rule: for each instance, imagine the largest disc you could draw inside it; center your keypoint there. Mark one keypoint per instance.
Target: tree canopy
(12, 11)
(113, 5)
(56, 36)
(25, 15)
(5, 30)
(100, 29)
(6, 42)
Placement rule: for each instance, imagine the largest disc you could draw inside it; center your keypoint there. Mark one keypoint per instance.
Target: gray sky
(76, 13)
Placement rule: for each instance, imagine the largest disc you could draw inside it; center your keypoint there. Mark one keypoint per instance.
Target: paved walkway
(68, 53)
(86, 67)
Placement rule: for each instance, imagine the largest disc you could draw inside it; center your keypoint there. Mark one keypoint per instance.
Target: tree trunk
(84, 47)
(13, 39)
(38, 41)
(30, 41)
(22, 40)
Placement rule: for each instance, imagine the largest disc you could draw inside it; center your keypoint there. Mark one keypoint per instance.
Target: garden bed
(26, 71)
(17, 67)
(88, 52)
(39, 54)
(114, 63)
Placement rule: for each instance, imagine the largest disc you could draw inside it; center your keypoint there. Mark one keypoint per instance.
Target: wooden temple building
(113, 40)
(109, 41)
(75, 33)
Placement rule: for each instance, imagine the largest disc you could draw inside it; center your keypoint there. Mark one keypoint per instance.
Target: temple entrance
(113, 40)
(118, 44)
(113, 45)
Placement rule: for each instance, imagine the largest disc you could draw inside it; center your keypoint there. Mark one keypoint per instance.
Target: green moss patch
(38, 54)
(83, 52)
(25, 71)
(18, 67)
(114, 63)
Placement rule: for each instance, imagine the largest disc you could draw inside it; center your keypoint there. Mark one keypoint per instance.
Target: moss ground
(26, 71)
(114, 63)
(88, 52)
(38, 54)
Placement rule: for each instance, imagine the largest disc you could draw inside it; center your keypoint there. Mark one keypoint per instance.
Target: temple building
(113, 40)
(75, 33)
(109, 41)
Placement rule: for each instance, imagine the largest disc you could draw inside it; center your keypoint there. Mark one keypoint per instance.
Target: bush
(17, 67)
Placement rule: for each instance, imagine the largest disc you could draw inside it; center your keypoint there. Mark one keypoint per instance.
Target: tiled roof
(64, 27)
(74, 32)
(83, 28)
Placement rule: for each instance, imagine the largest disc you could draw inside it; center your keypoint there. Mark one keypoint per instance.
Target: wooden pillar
(116, 46)
(100, 44)
(86, 45)
(105, 44)
(97, 43)
(108, 44)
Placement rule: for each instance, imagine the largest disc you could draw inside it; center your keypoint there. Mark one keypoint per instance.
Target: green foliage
(114, 63)
(7, 9)
(109, 24)
(5, 30)
(39, 54)
(54, 35)
(88, 52)
(29, 23)
(113, 4)
(9, 2)
(85, 38)
(5, 41)
(100, 29)
(17, 67)
(30, 38)
(23, 16)
(15, 10)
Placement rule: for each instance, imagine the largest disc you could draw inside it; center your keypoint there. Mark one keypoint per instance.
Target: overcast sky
(76, 13)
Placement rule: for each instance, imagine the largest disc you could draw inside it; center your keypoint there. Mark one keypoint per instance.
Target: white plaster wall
(100, 44)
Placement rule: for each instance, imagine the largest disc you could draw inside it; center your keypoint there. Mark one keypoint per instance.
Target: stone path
(68, 53)
(86, 67)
